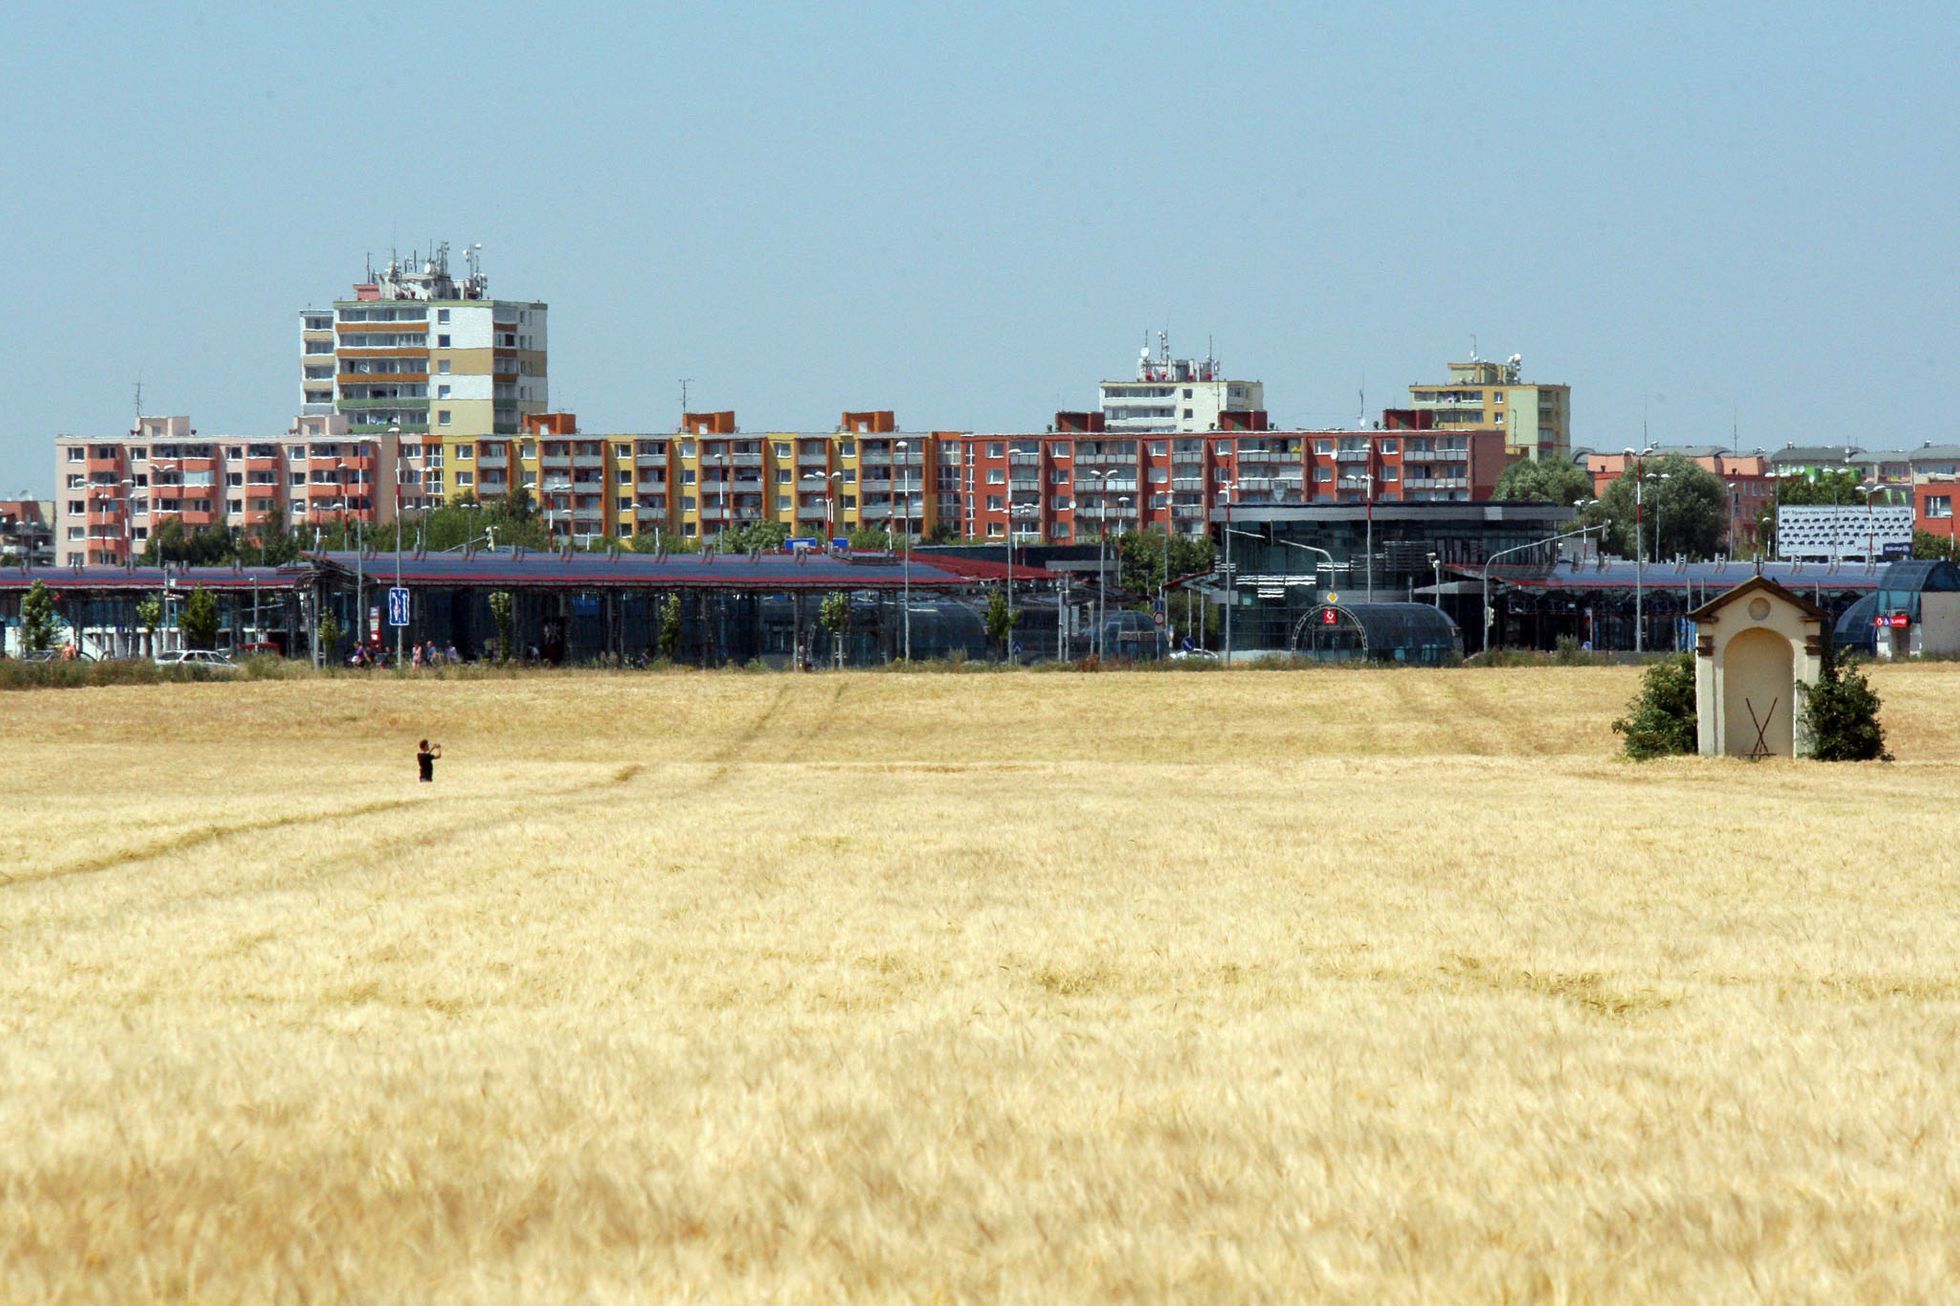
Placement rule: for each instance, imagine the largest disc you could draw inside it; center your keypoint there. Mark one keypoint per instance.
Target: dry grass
(1359, 986)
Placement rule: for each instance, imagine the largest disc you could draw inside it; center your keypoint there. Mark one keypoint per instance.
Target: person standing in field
(425, 760)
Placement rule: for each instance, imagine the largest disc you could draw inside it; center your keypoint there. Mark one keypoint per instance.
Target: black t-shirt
(427, 763)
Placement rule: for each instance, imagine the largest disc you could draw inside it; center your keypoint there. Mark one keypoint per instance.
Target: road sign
(397, 606)
(1159, 615)
(1332, 597)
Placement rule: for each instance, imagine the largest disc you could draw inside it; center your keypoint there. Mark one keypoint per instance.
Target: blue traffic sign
(397, 606)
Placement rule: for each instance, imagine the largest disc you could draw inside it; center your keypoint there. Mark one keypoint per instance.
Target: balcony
(813, 512)
(555, 462)
(818, 460)
(1024, 459)
(880, 482)
(652, 483)
(875, 512)
(1351, 455)
(739, 460)
(650, 460)
(650, 511)
(496, 463)
(589, 460)
(1187, 483)
(1022, 484)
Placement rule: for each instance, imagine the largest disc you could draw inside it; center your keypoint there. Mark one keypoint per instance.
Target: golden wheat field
(1341, 985)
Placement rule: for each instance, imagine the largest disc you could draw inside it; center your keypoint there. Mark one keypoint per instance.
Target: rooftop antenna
(685, 382)
(139, 400)
(1361, 417)
(1473, 346)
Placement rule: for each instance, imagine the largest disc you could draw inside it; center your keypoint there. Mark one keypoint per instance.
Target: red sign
(1899, 619)
(1328, 616)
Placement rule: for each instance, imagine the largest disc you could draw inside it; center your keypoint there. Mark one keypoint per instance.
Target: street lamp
(1231, 576)
(900, 447)
(1014, 510)
(829, 500)
(1102, 547)
(1639, 557)
(1436, 593)
(1520, 548)
(1368, 492)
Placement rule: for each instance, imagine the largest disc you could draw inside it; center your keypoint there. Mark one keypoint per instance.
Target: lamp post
(829, 499)
(1102, 548)
(1520, 548)
(1368, 492)
(1639, 558)
(1871, 521)
(900, 447)
(1436, 592)
(1231, 577)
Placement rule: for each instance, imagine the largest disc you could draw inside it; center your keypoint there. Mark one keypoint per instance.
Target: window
(1939, 505)
(782, 503)
(1059, 476)
(1187, 395)
(996, 503)
(1159, 476)
(442, 419)
(442, 315)
(464, 452)
(625, 476)
(784, 476)
(1388, 446)
(442, 342)
(1323, 473)
(1158, 447)
(1391, 474)
(847, 448)
(782, 451)
(442, 367)
(625, 503)
(996, 477)
(77, 454)
(442, 392)
(1187, 414)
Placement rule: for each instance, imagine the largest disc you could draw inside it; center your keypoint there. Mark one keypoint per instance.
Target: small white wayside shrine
(1753, 647)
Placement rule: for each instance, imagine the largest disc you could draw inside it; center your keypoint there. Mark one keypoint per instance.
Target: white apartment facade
(1173, 395)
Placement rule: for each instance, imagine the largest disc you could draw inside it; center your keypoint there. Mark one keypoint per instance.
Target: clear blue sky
(971, 213)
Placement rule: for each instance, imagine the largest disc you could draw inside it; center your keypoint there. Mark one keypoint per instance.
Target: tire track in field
(190, 839)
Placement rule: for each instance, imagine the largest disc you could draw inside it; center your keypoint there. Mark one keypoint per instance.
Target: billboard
(1853, 532)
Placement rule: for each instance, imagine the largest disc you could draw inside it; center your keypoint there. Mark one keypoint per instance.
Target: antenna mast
(685, 382)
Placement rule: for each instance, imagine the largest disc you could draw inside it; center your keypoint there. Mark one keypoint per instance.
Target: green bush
(1660, 720)
(1841, 713)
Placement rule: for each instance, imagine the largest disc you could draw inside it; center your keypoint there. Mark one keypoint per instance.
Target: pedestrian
(415, 659)
(451, 656)
(425, 760)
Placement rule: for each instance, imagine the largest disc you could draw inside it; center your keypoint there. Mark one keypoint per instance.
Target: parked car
(1193, 654)
(197, 657)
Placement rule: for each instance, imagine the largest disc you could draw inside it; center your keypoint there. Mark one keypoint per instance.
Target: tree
(756, 537)
(273, 543)
(1660, 720)
(1140, 559)
(670, 628)
(329, 633)
(1684, 508)
(1840, 712)
(500, 612)
(1544, 480)
(37, 618)
(149, 615)
(1927, 545)
(835, 617)
(999, 620)
(869, 538)
(197, 620)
